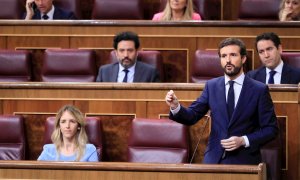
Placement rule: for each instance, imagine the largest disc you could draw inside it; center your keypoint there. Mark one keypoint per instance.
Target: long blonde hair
(187, 15)
(81, 137)
(282, 6)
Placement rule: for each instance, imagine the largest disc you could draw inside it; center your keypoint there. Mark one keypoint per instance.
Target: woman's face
(292, 4)
(68, 125)
(178, 4)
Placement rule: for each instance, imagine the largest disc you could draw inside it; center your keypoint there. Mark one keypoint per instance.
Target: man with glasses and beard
(242, 111)
(127, 69)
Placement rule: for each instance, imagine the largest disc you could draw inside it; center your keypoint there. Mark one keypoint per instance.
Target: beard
(129, 62)
(235, 70)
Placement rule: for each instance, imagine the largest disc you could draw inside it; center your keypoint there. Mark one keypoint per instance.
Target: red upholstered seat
(208, 9)
(93, 129)
(116, 9)
(158, 141)
(206, 66)
(69, 65)
(15, 66)
(153, 58)
(70, 5)
(291, 58)
(12, 138)
(259, 9)
(12, 9)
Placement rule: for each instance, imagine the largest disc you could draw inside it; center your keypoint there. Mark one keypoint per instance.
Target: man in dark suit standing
(242, 112)
(274, 71)
(127, 69)
(45, 10)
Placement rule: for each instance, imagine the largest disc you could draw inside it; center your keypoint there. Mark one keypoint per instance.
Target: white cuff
(247, 144)
(176, 110)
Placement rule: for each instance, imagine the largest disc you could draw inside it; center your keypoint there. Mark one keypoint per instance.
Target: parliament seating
(158, 141)
(208, 9)
(69, 65)
(259, 10)
(12, 138)
(93, 129)
(206, 66)
(153, 58)
(15, 66)
(12, 9)
(291, 58)
(70, 5)
(116, 9)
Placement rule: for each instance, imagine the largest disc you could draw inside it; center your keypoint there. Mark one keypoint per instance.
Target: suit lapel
(115, 71)
(285, 76)
(244, 99)
(138, 72)
(262, 75)
(220, 95)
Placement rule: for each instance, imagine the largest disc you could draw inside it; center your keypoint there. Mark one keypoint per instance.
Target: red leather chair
(291, 58)
(116, 9)
(206, 66)
(93, 129)
(208, 9)
(153, 58)
(12, 138)
(15, 66)
(70, 5)
(158, 141)
(69, 65)
(12, 9)
(259, 10)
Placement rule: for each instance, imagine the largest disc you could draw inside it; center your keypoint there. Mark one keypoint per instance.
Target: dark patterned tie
(271, 78)
(230, 99)
(45, 17)
(126, 73)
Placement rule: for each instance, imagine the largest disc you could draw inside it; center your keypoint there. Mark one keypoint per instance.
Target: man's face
(126, 53)
(268, 53)
(232, 61)
(44, 5)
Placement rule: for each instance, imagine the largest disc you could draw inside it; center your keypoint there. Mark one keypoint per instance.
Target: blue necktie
(271, 77)
(126, 73)
(230, 99)
(45, 16)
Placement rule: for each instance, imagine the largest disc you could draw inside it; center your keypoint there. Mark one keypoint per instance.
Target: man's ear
(280, 48)
(244, 58)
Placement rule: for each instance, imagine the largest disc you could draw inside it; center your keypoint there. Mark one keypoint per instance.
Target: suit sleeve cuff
(175, 111)
(247, 144)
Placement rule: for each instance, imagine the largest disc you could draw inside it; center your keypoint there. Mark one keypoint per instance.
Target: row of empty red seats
(137, 9)
(77, 65)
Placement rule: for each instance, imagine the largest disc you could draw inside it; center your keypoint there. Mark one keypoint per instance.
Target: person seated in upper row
(69, 138)
(274, 71)
(176, 10)
(289, 10)
(45, 10)
(128, 69)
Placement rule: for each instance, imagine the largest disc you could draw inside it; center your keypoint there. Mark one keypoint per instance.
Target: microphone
(205, 124)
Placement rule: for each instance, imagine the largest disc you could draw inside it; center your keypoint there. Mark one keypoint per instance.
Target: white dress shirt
(130, 75)
(277, 75)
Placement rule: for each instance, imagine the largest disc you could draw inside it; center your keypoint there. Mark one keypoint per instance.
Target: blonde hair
(187, 15)
(81, 137)
(282, 6)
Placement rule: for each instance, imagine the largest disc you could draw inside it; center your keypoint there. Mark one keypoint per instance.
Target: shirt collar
(50, 14)
(239, 80)
(278, 69)
(131, 69)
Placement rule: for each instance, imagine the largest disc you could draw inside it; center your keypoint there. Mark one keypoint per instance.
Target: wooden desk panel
(118, 103)
(127, 171)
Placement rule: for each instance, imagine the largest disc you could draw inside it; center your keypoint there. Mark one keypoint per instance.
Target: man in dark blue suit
(242, 111)
(274, 71)
(45, 10)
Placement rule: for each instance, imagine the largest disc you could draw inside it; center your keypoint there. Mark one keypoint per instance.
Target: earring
(78, 128)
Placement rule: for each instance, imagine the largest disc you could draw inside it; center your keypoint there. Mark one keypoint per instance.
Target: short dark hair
(268, 36)
(233, 41)
(126, 36)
